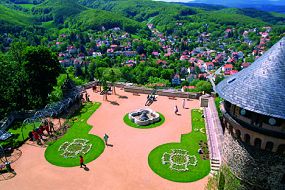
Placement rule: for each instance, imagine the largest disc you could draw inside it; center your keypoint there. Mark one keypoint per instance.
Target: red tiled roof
(228, 66)
(233, 72)
(209, 63)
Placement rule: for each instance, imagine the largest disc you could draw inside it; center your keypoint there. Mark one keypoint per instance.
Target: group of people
(38, 133)
(183, 106)
(85, 97)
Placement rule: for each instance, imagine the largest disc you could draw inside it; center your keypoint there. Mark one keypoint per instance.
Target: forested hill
(140, 10)
(148, 42)
(12, 20)
(93, 14)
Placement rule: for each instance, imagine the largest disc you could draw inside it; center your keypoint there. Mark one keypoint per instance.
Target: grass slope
(79, 129)
(13, 17)
(189, 142)
(131, 124)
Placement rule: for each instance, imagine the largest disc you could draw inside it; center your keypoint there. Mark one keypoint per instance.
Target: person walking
(106, 137)
(86, 97)
(82, 162)
(36, 137)
(183, 103)
(176, 109)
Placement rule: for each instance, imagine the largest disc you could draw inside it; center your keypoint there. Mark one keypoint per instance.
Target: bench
(4, 135)
(172, 98)
(136, 94)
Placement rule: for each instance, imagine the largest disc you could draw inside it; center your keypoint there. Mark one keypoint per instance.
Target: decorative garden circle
(179, 160)
(75, 148)
(130, 123)
(65, 151)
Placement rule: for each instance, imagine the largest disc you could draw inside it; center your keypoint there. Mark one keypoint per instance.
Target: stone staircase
(215, 166)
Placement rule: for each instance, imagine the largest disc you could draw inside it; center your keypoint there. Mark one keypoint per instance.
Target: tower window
(232, 80)
(247, 138)
(272, 121)
(243, 112)
(269, 146)
(283, 179)
(257, 143)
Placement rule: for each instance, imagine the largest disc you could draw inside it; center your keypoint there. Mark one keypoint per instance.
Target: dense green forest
(143, 41)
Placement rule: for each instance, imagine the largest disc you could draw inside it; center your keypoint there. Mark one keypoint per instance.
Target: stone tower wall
(258, 169)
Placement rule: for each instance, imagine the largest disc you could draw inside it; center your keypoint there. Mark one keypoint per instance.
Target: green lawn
(79, 129)
(189, 142)
(20, 134)
(132, 124)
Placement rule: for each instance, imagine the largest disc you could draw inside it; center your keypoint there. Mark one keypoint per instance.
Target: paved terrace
(122, 167)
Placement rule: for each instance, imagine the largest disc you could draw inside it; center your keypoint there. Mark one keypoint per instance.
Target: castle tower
(254, 121)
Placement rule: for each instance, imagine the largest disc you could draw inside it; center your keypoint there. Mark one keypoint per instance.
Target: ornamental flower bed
(179, 160)
(74, 148)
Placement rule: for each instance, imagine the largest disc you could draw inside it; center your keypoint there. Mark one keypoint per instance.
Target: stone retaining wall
(138, 90)
(141, 90)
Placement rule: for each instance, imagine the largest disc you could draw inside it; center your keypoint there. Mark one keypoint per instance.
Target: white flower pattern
(76, 147)
(179, 160)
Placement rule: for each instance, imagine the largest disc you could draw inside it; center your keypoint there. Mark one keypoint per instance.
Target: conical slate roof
(260, 87)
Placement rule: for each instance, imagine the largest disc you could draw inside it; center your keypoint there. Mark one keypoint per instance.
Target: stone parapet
(142, 90)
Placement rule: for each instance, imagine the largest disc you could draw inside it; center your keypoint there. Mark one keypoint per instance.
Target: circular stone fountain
(144, 116)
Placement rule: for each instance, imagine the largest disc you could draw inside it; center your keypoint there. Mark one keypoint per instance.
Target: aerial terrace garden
(65, 152)
(182, 162)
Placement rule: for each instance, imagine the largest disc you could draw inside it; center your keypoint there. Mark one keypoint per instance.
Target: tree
(204, 86)
(112, 75)
(157, 82)
(42, 69)
(219, 78)
(57, 93)
(105, 89)
(11, 75)
(27, 78)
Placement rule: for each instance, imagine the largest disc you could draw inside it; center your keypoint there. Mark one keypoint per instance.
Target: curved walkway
(121, 167)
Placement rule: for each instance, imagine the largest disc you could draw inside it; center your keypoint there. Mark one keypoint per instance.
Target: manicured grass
(132, 124)
(79, 129)
(20, 134)
(189, 142)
